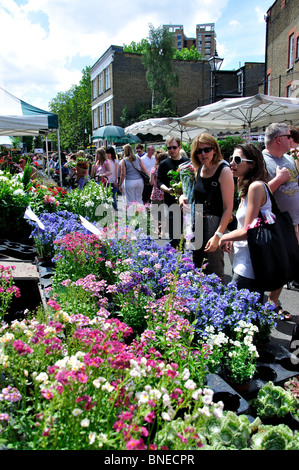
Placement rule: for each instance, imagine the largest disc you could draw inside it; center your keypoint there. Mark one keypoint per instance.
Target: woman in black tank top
(214, 197)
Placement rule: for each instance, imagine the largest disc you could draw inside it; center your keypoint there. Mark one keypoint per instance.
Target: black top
(207, 191)
(162, 177)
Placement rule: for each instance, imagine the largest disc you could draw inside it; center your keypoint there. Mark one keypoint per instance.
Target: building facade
(282, 49)
(204, 41)
(118, 82)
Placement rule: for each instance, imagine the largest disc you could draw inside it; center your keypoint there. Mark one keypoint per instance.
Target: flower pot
(240, 388)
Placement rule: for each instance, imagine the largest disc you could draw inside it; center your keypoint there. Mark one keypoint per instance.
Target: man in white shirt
(149, 162)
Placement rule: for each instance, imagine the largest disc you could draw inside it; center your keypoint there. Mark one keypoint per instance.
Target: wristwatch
(219, 234)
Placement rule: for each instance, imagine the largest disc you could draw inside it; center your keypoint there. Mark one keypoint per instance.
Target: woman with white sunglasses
(248, 166)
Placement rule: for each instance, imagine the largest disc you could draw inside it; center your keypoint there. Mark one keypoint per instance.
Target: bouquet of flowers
(175, 182)
(187, 178)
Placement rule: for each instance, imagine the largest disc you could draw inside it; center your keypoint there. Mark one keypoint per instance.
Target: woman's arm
(256, 199)
(122, 174)
(116, 172)
(108, 169)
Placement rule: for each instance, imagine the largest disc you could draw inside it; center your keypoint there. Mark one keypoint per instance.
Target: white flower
(76, 412)
(92, 437)
(6, 338)
(190, 385)
(18, 192)
(218, 409)
(108, 387)
(207, 399)
(186, 374)
(85, 423)
(205, 411)
(166, 416)
(166, 399)
(142, 397)
(97, 382)
(196, 394)
(42, 377)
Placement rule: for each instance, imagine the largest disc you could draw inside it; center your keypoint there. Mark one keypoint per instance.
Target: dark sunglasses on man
(172, 147)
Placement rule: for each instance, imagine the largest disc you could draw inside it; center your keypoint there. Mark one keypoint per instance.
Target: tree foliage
(74, 113)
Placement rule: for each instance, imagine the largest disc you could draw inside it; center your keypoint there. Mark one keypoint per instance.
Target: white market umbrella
(237, 114)
(166, 127)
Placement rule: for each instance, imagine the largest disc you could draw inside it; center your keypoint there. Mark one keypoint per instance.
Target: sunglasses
(238, 160)
(174, 147)
(205, 150)
(285, 135)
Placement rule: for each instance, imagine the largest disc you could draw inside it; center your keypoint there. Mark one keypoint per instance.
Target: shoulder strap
(214, 183)
(275, 208)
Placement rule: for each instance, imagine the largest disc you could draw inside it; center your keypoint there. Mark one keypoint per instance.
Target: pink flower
(137, 444)
(149, 418)
(47, 394)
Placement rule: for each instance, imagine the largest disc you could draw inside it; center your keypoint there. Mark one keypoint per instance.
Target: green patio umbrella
(128, 139)
(111, 133)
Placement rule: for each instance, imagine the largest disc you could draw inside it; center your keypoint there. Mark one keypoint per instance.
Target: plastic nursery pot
(231, 401)
(267, 374)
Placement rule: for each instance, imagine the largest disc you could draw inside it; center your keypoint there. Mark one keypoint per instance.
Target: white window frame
(107, 78)
(291, 50)
(101, 116)
(101, 87)
(108, 112)
(94, 89)
(95, 118)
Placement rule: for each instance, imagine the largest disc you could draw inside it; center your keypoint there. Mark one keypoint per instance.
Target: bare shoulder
(257, 186)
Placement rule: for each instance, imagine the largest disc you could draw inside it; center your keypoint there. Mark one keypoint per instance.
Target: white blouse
(241, 261)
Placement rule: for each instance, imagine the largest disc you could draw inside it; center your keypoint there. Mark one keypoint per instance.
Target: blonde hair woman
(214, 189)
(130, 176)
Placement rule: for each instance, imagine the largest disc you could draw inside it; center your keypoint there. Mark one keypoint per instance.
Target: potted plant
(240, 357)
(273, 402)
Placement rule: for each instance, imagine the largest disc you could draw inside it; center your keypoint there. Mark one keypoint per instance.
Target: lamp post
(215, 63)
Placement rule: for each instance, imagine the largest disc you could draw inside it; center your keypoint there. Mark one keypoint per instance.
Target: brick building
(118, 81)
(282, 49)
(204, 42)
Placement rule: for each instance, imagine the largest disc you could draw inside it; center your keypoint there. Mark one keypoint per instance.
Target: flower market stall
(133, 348)
(19, 118)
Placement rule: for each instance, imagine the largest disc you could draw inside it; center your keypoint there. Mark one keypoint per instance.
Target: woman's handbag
(143, 174)
(274, 250)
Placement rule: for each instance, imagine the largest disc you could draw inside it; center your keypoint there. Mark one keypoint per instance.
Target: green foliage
(165, 108)
(135, 47)
(13, 203)
(273, 401)
(230, 432)
(157, 59)
(74, 113)
(228, 145)
(187, 54)
(278, 437)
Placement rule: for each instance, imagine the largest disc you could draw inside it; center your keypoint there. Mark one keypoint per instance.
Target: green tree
(187, 54)
(157, 58)
(74, 114)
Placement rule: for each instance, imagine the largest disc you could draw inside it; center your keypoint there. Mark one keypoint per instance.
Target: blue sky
(49, 42)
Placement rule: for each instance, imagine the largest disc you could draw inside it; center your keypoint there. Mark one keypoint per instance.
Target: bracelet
(219, 234)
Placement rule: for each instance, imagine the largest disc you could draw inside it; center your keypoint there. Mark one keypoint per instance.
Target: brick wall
(283, 20)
